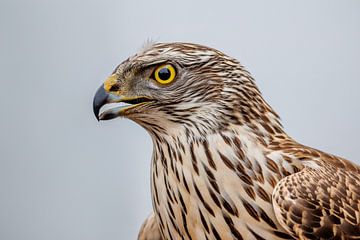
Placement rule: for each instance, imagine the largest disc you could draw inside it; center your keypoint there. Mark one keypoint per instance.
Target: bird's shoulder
(310, 156)
(321, 201)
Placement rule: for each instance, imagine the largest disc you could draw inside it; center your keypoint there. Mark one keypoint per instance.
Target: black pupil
(164, 74)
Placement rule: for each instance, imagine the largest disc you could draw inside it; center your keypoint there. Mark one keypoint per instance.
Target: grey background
(63, 175)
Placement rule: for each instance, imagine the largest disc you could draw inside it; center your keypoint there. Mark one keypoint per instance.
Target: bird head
(181, 85)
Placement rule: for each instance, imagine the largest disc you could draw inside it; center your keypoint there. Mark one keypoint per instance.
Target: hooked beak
(104, 97)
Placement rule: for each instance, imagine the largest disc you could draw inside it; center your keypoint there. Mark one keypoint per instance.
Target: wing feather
(320, 203)
(149, 229)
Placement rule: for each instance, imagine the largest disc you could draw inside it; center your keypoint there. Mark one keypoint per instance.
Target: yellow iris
(165, 74)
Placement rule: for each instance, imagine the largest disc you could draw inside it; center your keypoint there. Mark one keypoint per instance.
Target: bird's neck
(200, 168)
(184, 150)
(259, 131)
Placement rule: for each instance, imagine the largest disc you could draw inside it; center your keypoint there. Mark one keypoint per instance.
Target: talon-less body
(223, 166)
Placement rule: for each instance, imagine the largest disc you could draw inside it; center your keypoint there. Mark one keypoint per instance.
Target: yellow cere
(109, 82)
(165, 74)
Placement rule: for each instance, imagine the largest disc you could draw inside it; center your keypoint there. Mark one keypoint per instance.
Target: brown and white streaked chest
(215, 187)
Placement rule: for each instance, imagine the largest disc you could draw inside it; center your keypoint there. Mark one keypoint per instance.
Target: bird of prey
(223, 166)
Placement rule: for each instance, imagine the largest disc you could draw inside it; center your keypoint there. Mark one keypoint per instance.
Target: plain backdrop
(63, 175)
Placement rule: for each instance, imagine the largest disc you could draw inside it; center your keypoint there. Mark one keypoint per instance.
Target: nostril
(114, 88)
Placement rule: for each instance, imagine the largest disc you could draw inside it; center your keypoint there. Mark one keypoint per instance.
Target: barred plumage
(223, 166)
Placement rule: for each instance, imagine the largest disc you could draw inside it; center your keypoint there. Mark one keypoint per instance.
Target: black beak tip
(100, 100)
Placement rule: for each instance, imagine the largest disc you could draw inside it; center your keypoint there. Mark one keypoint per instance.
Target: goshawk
(223, 167)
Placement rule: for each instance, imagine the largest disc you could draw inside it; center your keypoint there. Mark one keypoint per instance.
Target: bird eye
(165, 74)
